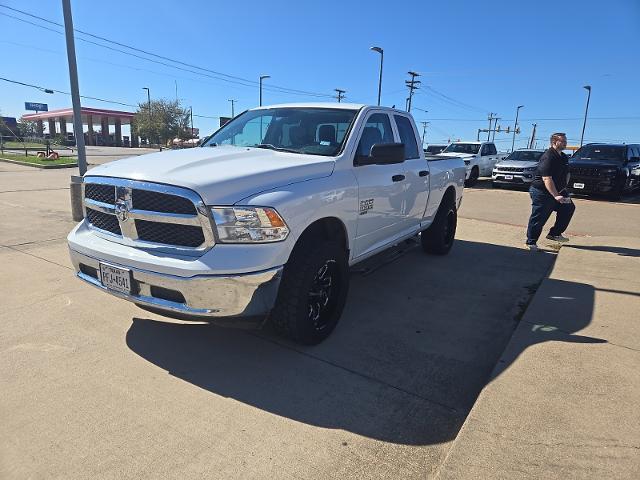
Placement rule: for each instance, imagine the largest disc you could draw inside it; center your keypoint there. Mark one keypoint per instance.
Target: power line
(225, 77)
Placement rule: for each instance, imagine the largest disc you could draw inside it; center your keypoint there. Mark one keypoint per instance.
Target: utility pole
(340, 93)
(533, 135)
(233, 101)
(515, 127)
(413, 85)
(495, 128)
(489, 130)
(424, 131)
(588, 88)
(191, 114)
(176, 81)
(76, 180)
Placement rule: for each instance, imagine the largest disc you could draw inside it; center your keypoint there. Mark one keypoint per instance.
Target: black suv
(605, 169)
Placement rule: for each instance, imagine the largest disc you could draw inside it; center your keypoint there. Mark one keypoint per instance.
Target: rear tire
(439, 237)
(473, 177)
(312, 293)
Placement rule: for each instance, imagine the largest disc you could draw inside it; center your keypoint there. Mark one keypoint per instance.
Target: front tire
(473, 177)
(312, 293)
(439, 237)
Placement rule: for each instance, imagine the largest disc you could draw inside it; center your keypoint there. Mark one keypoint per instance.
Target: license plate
(114, 278)
(578, 185)
(508, 177)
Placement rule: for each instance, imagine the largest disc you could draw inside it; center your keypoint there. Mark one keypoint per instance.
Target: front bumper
(246, 295)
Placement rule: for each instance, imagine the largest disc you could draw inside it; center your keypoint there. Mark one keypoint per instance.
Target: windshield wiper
(269, 146)
(214, 144)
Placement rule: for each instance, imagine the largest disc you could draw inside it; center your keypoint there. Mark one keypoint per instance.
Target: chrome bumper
(242, 295)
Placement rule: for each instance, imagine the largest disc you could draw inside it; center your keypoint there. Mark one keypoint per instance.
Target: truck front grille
(161, 202)
(167, 233)
(510, 169)
(103, 221)
(139, 213)
(100, 193)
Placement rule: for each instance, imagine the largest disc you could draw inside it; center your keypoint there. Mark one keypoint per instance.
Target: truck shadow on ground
(417, 342)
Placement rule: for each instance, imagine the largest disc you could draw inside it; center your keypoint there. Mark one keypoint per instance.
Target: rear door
(417, 173)
(381, 189)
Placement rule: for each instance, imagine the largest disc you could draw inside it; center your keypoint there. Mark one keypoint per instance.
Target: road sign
(38, 107)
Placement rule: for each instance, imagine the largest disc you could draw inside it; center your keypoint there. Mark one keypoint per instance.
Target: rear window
(407, 136)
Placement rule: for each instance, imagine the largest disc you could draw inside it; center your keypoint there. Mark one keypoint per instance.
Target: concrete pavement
(562, 402)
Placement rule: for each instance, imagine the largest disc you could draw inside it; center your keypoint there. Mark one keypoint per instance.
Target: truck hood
(516, 163)
(597, 164)
(221, 175)
(464, 156)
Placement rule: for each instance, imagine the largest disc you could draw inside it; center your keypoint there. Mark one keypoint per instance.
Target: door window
(408, 137)
(376, 130)
(491, 149)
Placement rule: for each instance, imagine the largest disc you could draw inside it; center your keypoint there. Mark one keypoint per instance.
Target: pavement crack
(35, 242)
(359, 374)
(40, 258)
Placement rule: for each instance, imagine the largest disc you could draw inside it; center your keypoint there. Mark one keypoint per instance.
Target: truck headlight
(249, 225)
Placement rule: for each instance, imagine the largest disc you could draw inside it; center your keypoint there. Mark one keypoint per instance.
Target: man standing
(548, 194)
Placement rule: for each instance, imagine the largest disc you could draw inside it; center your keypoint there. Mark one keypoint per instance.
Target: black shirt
(555, 165)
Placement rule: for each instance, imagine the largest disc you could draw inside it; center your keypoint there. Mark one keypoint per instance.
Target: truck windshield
(525, 156)
(313, 131)
(599, 153)
(471, 148)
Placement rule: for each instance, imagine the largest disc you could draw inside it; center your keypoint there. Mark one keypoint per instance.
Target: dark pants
(542, 206)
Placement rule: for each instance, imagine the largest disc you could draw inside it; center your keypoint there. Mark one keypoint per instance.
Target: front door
(381, 189)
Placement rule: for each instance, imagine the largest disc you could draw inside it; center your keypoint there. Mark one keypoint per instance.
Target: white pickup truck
(264, 219)
(479, 158)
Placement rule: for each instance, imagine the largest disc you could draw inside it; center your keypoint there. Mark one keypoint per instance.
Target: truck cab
(479, 158)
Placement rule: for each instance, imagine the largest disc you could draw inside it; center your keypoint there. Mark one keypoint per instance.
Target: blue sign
(38, 107)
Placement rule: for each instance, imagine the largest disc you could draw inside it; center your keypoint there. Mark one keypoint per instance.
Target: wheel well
(449, 196)
(329, 228)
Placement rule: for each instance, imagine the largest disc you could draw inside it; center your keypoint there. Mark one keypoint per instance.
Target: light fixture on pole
(381, 52)
(515, 126)
(584, 125)
(262, 77)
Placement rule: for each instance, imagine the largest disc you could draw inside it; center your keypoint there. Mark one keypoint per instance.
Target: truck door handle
(397, 178)
(423, 173)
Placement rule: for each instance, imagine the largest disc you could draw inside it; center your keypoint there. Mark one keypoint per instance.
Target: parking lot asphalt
(94, 387)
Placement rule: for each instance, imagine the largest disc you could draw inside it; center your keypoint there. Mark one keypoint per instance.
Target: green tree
(28, 128)
(166, 121)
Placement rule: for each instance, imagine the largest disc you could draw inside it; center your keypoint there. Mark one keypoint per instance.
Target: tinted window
(376, 130)
(598, 153)
(491, 149)
(407, 136)
(471, 148)
(525, 156)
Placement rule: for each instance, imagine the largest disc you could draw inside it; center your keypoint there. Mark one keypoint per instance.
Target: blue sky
(475, 58)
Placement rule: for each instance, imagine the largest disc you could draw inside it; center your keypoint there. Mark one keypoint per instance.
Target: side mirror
(387, 153)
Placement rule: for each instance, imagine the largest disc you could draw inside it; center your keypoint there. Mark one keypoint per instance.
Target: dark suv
(599, 168)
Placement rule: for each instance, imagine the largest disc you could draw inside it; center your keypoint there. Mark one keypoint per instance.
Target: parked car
(433, 149)
(479, 158)
(599, 168)
(519, 168)
(265, 218)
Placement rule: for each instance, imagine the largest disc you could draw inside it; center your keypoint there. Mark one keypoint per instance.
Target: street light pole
(262, 77)
(381, 52)
(584, 125)
(233, 101)
(515, 126)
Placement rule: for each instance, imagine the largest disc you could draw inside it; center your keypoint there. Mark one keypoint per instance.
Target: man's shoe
(557, 238)
(532, 247)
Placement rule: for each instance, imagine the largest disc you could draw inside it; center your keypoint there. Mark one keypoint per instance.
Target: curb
(35, 165)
